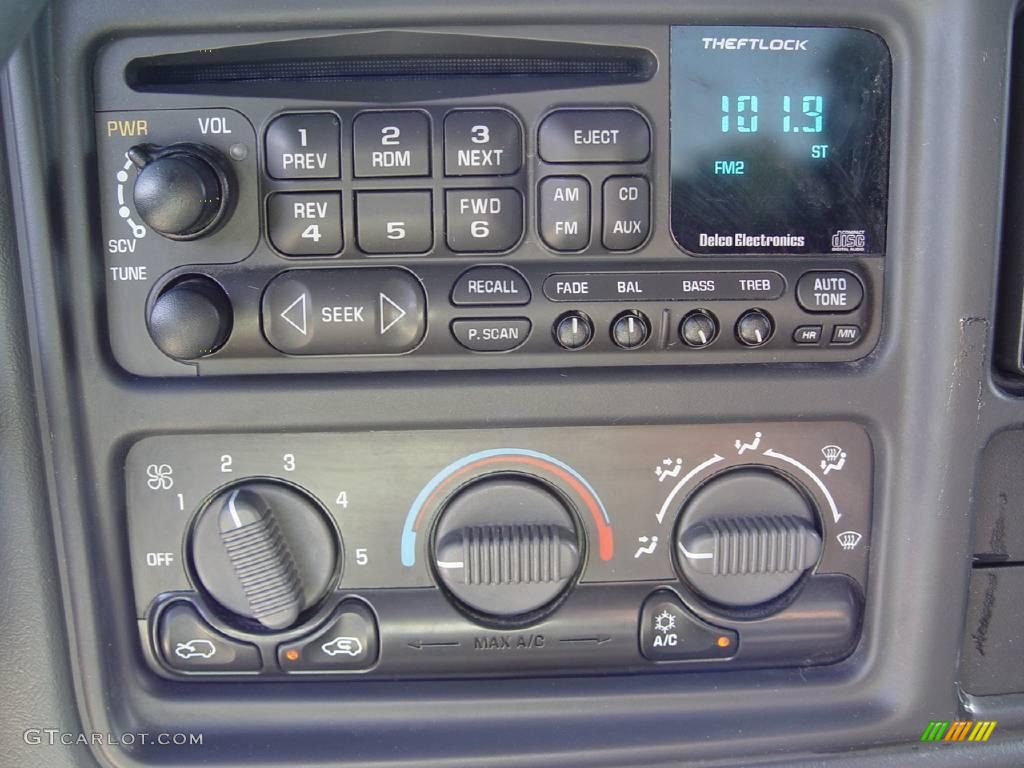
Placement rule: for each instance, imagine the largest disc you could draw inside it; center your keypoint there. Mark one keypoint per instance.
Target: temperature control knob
(264, 551)
(746, 537)
(182, 191)
(506, 547)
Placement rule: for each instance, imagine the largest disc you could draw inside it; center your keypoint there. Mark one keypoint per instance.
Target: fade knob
(182, 191)
(264, 551)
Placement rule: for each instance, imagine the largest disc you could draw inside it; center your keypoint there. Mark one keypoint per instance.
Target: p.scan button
(344, 311)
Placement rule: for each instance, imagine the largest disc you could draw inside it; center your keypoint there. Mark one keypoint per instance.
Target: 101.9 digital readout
(742, 115)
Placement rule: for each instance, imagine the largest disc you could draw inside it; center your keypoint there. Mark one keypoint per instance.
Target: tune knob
(182, 191)
(506, 547)
(264, 551)
(746, 537)
(191, 318)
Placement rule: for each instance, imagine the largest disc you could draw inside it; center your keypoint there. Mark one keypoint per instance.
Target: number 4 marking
(342, 500)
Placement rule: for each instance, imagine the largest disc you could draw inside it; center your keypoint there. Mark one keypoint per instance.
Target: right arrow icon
(390, 313)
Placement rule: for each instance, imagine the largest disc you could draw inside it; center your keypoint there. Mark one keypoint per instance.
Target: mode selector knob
(182, 191)
(506, 547)
(746, 537)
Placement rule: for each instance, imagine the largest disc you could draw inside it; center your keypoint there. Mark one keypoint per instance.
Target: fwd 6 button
(823, 291)
(344, 311)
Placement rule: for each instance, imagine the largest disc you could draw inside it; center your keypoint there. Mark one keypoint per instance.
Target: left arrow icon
(295, 314)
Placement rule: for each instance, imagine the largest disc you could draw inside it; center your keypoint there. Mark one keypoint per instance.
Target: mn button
(344, 311)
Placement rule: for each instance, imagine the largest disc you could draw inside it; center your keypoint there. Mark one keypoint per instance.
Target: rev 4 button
(344, 311)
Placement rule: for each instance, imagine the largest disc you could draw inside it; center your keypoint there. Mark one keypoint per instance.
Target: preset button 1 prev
(344, 311)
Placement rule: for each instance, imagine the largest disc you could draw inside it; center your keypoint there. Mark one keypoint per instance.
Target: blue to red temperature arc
(509, 458)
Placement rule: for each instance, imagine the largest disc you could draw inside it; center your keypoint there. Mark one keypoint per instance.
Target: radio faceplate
(439, 549)
(559, 195)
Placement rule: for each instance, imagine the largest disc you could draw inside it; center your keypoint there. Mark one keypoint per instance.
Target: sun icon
(664, 622)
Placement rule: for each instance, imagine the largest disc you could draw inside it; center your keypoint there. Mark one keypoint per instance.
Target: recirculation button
(345, 311)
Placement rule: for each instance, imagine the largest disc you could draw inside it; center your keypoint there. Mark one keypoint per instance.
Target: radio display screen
(780, 140)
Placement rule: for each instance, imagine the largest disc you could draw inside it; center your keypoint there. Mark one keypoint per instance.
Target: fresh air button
(594, 136)
(391, 144)
(394, 222)
(823, 291)
(347, 643)
(478, 220)
(627, 212)
(807, 334)
(483, 142)
(844, 335)
(491, 334)
(306, 146)
(669, 632)
(188, 644)
(344, 311)
(490, 287)
(564, 212)
(301, 224)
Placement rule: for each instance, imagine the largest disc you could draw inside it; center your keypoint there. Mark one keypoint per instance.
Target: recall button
(344, 311)
(492, 334)
(491, 286)
(836, 292)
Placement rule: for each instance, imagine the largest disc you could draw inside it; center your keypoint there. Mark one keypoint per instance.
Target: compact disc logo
(753, 44)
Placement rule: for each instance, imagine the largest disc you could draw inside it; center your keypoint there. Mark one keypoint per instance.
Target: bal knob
(182, 191)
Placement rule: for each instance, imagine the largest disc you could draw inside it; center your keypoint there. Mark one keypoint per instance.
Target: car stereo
(660, 196)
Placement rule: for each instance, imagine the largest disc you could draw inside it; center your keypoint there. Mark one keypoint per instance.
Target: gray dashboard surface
(925, 396)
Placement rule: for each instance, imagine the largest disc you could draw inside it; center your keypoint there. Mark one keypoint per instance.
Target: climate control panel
(518, 551)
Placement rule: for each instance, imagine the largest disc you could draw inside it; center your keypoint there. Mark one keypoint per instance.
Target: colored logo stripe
(959, 730)
(468, 464)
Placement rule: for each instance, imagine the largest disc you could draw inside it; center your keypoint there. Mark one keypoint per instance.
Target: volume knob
(182, 191)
